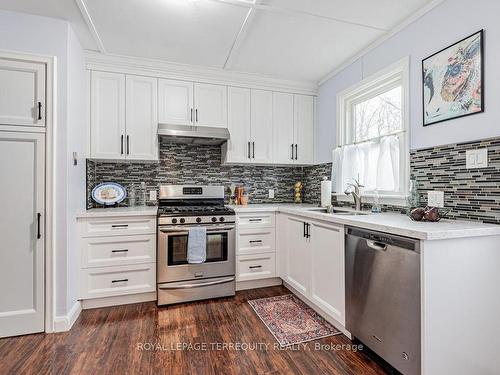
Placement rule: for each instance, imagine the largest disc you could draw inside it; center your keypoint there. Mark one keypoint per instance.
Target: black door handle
(292, 151)
(253, 150)
(191, 114)
(249, 150)
(128, 145)
(296, 153)
(308, 233)
(39, 110)
(304, 230)
(121, 144)
(39, 219)
(119, 281)
(196, 112)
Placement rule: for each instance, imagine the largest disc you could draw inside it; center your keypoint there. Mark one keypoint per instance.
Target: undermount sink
(336, 211)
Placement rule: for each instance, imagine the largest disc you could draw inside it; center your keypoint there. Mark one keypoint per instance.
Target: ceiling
(291, 39)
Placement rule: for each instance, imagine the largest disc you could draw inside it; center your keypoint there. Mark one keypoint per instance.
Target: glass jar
(413, 198)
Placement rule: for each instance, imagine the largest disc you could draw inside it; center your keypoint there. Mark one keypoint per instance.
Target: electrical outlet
(152, 195)
(271, 193)
(477, 158)
(435, 198)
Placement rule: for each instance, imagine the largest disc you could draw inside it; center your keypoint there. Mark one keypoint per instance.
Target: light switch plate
(271, 193)
(477, 158)
(152, 195)
(435, 198)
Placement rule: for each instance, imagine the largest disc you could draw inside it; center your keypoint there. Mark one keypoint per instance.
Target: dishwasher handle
(376, 245)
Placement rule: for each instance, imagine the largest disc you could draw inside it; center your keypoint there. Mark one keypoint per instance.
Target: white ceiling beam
(294, 12)
(90, 24)
(239, 38)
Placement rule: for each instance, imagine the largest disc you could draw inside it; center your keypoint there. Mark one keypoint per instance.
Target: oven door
(172, 254)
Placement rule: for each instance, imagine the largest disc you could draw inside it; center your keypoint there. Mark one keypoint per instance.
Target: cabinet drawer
(117, 281)
(258, 220)
(255, 241)
(117, 250)
(254, 267)
(117, 226)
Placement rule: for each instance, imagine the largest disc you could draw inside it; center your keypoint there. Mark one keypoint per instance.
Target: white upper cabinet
(176, 102)
(107, 115)
(261, 126)
(22, 94)
(304, 129)
(141, 118)
(210, 105)
(283, 140)
(237, 149)
(123, 117)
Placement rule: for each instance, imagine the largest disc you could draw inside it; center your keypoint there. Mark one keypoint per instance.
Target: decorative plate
(109, 193)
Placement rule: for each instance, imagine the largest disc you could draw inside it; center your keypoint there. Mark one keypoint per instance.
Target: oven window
(216, 248)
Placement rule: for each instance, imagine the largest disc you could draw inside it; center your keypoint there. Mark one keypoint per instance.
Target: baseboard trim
(319, 310)
(65, 322)
(119, 300)
(253, 284)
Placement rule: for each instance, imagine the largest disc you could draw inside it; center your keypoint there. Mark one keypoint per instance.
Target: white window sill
(391, 200)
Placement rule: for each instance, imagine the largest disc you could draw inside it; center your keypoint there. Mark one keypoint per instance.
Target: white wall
(51, 37)
(449, 22)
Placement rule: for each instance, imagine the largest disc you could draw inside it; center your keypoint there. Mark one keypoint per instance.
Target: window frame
(382, 81)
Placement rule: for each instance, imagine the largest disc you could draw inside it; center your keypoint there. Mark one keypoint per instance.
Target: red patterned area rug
(290, 320)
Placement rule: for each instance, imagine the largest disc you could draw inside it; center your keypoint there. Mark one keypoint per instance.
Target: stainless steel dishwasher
(383, 295)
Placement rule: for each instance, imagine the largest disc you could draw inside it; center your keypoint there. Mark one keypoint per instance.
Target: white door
(298, 255)
(283, 143)
(304, 128)
(262, 126)
(22, 93)
(238, 124)
(327, 269)
(107, 115)
(141, 141)
(22, 233)
(175, 102)
(210, 105)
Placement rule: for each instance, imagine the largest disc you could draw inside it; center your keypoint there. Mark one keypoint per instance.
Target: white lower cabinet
(255, 246)
(117, 256)
(312, 262)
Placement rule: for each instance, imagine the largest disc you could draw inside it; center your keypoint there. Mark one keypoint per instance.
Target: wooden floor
(109, 340)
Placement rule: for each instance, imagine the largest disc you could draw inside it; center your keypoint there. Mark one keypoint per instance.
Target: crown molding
(415, 16)
(162, 69)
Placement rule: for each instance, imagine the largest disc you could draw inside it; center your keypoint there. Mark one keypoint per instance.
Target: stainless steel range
(182, 207)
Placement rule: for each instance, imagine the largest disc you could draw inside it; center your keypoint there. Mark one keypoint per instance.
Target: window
(372, 138)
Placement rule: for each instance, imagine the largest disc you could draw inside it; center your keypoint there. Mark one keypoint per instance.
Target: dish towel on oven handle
(197, 245)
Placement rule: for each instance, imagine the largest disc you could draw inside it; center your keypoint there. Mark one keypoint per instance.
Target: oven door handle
(196, 285)
(180, 232)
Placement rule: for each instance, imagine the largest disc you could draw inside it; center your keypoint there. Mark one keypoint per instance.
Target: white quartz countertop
(119, 211)
(393, 223)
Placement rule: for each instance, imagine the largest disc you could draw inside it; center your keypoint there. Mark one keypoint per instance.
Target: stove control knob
(182, 220)
(198, 219)
(174, 221)
(221, 219)
(214, 219)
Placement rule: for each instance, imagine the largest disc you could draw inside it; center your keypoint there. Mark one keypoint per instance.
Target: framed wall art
(453, 80)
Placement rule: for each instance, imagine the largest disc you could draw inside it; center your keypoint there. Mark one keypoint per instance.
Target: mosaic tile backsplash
(472, 194)
(200, 164)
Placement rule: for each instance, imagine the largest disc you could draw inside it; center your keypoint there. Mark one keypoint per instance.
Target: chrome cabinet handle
(376, 245)
(119, 281)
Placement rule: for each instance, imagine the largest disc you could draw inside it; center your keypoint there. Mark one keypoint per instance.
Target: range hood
(193, 134)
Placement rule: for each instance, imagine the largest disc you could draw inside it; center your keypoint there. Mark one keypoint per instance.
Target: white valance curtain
(374, 163)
